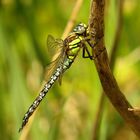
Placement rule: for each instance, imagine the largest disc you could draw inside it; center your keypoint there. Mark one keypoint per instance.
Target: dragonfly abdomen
(40, 97)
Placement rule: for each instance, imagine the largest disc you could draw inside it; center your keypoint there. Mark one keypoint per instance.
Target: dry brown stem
(72, 18)
(109, 84)
(96, 126)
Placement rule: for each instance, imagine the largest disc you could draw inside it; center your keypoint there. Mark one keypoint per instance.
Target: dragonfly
(68, 49)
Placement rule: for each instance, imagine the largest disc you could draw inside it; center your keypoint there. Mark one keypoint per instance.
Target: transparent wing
(56, 50)
(54, 47)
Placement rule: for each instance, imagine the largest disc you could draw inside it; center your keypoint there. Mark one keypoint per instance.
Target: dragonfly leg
(100, 51)
(92, 45)
(91, 57)
(85, 50)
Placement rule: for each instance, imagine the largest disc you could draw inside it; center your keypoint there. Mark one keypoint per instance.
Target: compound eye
(79, 29)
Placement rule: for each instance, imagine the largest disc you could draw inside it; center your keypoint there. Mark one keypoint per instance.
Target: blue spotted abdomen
(61, 69)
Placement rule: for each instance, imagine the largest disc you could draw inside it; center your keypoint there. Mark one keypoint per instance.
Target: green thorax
(73, 45)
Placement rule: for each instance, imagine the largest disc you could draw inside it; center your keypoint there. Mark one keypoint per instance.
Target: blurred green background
(69, 111)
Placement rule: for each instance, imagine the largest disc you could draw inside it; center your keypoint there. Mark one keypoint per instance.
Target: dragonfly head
(80, 28)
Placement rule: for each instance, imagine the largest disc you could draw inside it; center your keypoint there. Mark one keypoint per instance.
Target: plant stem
(108, 81)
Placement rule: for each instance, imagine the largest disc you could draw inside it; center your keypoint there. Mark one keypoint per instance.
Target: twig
(72, 18)
(96, 126)
(109, 84)
(97, 122)
(117, 34)
(136, 110)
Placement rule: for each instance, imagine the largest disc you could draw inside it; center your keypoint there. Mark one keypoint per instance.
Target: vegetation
(69, 111)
